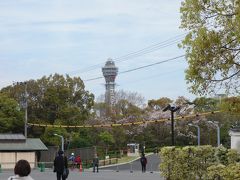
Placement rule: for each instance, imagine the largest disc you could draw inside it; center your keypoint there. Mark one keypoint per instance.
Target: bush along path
(201, 162)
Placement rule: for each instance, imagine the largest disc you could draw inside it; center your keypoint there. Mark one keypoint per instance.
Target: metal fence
(86, 154)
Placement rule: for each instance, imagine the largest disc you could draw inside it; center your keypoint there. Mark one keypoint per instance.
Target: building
(110, 72)
(14, 147)
(133, 149)
(235, 137)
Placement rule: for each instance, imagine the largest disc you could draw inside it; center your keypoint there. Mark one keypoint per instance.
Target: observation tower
(110, 72)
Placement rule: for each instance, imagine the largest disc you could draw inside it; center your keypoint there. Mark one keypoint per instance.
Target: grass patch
(126, 159)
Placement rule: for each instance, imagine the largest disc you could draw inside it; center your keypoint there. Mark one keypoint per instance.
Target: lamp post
(172, 109)
(198, 128)
(62, 139)
(216, 124)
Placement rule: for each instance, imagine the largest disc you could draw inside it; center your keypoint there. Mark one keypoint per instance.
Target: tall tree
(159, 103)
(204, 104)
(107, 139)
(55, 99)
(212, 44)
(11, 118)
(134, 98)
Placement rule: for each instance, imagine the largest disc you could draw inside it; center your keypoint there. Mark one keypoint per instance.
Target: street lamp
(172, 109)
(62, 139)
(216, 124)
(198, 128)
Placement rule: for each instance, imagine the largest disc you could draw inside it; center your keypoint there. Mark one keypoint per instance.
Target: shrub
(215, 172)
(201, 162)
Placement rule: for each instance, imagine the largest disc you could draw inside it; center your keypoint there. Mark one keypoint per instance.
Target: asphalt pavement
(89, 175)
(128, 171)
(153, 162)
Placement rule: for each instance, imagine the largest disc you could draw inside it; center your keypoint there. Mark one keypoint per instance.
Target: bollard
(42, 167)
(0, 168)
(117, 170)
(151, 169)
(131, 169)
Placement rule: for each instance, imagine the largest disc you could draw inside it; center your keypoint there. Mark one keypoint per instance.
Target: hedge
(201, 162)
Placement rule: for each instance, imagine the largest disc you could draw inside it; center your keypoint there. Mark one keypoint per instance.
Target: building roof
(12, 137)
(31, 144)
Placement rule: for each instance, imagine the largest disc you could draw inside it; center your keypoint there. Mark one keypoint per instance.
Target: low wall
(9, 159)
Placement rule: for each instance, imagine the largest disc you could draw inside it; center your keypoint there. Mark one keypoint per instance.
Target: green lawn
(126, 159)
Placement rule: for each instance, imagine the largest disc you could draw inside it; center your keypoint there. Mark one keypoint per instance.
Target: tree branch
(223, 79)
(231, 49)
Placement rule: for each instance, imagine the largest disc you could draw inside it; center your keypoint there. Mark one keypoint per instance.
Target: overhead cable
(146, 50)
(141, 67)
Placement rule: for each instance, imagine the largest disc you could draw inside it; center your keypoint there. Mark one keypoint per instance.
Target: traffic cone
(80, 168)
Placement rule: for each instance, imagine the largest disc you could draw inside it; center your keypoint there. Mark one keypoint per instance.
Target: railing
(108, 161)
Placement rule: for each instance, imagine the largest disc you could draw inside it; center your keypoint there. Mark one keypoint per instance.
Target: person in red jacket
(78, 161)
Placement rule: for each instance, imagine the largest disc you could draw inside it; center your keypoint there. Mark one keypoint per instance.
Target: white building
(235, 138)
(133, 149)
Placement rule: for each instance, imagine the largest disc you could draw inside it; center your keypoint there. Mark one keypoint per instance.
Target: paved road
(88, 175)
(107, 173)
(152, 165)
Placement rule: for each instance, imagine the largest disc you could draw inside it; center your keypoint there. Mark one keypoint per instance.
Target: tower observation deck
(110, 72)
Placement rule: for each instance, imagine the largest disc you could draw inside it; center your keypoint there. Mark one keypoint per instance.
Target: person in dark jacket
(143, 161)
(95, 163)
(60, 163)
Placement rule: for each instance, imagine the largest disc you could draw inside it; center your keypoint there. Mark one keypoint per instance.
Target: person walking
(72, 160)
(22, 170)
(143, 161)
(95, 163)
(61, 166)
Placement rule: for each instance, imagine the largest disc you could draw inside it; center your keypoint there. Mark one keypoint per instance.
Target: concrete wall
(9, 159)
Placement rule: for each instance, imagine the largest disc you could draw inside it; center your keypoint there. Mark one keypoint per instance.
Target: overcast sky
(43, 37)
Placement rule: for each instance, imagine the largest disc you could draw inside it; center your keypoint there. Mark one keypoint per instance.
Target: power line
(146, 50)
(171, 59)
(152, 77)
(153, 47)
(141, 67)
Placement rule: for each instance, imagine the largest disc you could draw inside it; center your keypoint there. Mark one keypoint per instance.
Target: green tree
(50, 139)
(55, 99)
(127, 109)
(204, 104)
(212, 44)
(83, 138)
(231, 104)
(11, 118)
(159, 103)
(107, 139)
